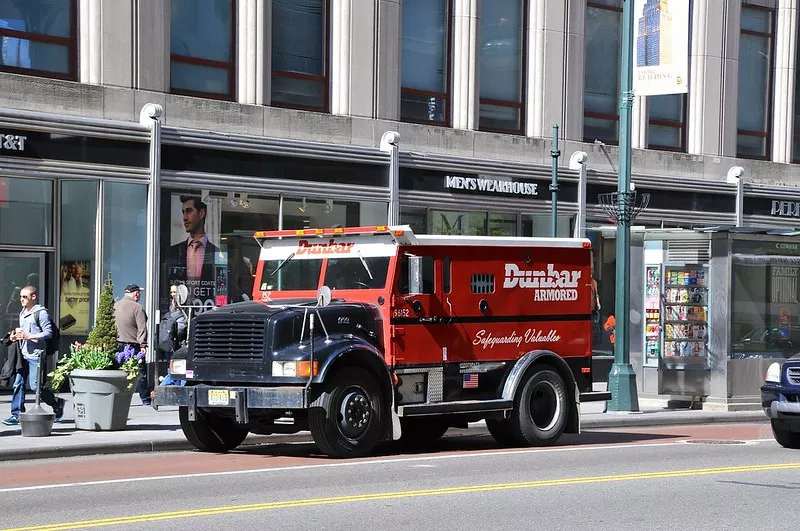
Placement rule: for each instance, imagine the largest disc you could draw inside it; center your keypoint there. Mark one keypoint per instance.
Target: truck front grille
(793, 375)
(229, 340)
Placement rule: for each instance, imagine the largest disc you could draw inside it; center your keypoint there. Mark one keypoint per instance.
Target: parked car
(780, 398)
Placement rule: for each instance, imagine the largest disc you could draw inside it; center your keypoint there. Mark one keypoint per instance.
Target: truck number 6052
(401, 312)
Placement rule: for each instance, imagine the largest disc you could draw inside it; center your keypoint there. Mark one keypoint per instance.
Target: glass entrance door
(16, 271)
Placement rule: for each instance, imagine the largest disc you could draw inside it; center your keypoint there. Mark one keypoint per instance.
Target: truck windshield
(355, 272)
(294, 275)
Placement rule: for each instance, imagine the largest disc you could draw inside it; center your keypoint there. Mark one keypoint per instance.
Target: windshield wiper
(364, 263)
(280, 266)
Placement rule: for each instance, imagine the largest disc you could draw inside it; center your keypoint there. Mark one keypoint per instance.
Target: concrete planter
(102, 399)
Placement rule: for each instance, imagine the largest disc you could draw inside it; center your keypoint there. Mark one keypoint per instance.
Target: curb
(608, 420)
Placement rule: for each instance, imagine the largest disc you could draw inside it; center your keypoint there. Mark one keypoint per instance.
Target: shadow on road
(453, 441)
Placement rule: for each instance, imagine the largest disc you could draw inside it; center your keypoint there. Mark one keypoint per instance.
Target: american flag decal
(470, 381)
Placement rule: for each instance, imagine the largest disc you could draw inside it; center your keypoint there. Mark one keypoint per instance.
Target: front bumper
(781, 403)
(240, 399)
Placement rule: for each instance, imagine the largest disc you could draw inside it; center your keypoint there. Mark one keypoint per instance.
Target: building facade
(268, 114)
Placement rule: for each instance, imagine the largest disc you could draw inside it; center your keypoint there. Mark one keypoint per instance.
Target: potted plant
(101, 379)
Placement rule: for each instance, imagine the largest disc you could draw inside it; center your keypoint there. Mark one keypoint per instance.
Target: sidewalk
(157, 431)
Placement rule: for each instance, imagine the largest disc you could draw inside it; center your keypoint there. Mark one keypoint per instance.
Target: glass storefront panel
(26, 211)
(226, 270)
(541, 225)
(765, 309)
(124, 235)
(78, 227)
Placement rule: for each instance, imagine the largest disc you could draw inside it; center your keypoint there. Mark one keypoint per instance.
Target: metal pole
(390, 142)
(555, 153)
(622, 379)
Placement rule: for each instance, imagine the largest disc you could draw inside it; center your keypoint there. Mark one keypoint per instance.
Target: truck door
(418, 316)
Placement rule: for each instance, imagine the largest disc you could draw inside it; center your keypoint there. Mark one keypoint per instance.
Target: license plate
(218, 397)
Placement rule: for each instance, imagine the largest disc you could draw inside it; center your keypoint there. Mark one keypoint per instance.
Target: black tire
(541, 408)
(421, 431)
(351, 391)
(210, 432)
(500, 430)
(786, 438)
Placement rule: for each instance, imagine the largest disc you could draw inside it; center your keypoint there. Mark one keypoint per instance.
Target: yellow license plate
(218, 397)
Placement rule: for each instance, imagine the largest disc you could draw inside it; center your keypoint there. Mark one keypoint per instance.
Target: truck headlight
(293, 369)
(774, 373)
(177, 366)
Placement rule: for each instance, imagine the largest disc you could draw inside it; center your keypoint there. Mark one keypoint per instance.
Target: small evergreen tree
(104, 333)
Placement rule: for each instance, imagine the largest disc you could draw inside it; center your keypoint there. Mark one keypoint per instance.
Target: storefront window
(765, 309)
(541, 225)
(224, 273)
(26, 211)
(124, 235)
(78, 226)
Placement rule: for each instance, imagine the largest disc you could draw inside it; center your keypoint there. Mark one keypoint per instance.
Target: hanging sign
(661, 47)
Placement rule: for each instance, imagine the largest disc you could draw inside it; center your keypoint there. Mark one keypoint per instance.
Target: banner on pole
(661, 47)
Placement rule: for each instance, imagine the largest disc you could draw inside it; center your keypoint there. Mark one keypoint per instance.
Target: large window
(425, 90)
(300, 54)
(26, 211)
(666, 125)
(601, 73)
(39, 37)
(755, 82)
(124, 235)
(502, 66)
(202, 46)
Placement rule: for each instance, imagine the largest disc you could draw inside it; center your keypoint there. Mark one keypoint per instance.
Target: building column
(90, 35)
(254, 57)
(389, 42)
(639, 123)
(465, 89)
(151, 49)
(353, 57)
(570, 52)
(714, 78)
(785, 68)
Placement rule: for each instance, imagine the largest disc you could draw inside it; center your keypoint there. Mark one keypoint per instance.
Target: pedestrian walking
(131, 323)
(35, 328)
(171, 331)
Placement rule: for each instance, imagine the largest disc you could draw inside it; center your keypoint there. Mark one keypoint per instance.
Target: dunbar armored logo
(330, 247)
(549, 285)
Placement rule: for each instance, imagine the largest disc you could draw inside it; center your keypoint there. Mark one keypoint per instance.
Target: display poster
(194, 257)
(75, 297)
(661, 47)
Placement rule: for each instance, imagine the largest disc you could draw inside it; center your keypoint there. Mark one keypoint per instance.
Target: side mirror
(414, 275)
(323, 296)
(182, 296)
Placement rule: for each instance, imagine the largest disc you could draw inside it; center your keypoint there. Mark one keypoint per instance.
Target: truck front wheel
(210, 432)
(540, 408)
(347, 418)
(786, 438)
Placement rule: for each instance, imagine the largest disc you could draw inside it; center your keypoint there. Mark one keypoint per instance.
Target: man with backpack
(32, 337)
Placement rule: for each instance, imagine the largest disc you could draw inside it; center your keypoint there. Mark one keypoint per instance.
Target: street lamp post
(622, 378)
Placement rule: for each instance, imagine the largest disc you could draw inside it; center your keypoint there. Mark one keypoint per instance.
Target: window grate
(482, 283)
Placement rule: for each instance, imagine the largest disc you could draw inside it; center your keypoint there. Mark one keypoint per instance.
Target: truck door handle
(428, 319)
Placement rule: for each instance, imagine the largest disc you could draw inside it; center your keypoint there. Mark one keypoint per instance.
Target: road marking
(347, 464)
(288, 504)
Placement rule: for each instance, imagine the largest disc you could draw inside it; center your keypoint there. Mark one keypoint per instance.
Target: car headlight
(293, 369)
(177, 366)
(774, 373)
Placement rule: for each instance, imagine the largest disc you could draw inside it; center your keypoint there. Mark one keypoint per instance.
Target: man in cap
(132, 331)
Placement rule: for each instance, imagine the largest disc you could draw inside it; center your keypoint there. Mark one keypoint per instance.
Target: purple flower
(140, 356)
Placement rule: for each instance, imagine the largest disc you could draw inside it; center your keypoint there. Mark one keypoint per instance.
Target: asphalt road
(709, 477)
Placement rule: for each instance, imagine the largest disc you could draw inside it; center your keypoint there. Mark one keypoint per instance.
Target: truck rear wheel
(210, 432)
(501, 431)
(541, 408)
(347, 419)
(786, 438)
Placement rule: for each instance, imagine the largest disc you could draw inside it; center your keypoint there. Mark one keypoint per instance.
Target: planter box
(102, 399)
